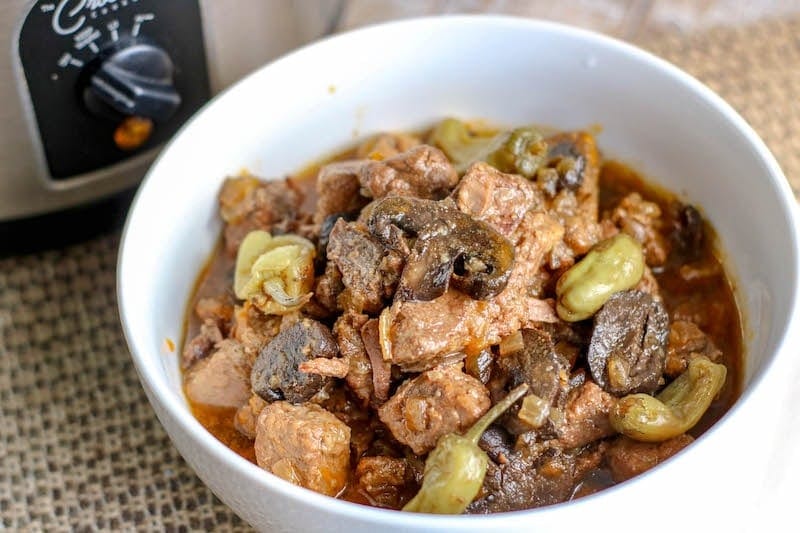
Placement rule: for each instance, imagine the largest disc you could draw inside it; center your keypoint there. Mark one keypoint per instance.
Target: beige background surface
(80, 448)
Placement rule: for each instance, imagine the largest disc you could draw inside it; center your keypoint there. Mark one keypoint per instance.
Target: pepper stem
(475, 432)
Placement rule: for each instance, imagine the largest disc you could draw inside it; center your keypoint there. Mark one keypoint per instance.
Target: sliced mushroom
(448, 247)
(628, 349)
(275, 374)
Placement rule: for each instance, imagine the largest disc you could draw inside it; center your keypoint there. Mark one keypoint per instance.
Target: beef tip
(387, 482)
(201, 344)
(627, 352)
(501, 200)
(627, 458)
(649, 284)
(304, 444)
(437, 402)
(642, 220)
(498, 443)
(247, 415)
(325, 234)
(422, 172)
(253, 328)
(585, 416)
(221, 379)
(540, 366)
(526, 481)
(370, 272)
(276, 375)
(347, 330)
(687, 341)
(422, 335)
(271, 206)
(385, 145)
(338, 190)
(328, 287)
(688, 229)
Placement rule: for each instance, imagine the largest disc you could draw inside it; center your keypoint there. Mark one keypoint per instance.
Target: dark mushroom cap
(448, 247)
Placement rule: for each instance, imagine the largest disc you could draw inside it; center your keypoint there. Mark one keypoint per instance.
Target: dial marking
(67, 60)
(47, 8)
(138, 20)
(113, 28)
(86, 38)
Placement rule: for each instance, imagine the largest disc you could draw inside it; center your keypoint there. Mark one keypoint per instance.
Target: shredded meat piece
(335, 368)
(381, 370)
(586, 416)
(246, 416)
(437, 402)
(269, 205)
(642, 220)
(201, 344)
(219, 309)
(347, 331)
(338, 189)
(254, 329)
(627, 458)
(422, 172)
(685, 342)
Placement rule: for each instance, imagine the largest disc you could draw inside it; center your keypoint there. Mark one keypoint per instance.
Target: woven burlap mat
(80, 447)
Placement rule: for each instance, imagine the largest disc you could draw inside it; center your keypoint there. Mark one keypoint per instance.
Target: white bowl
(407, 75)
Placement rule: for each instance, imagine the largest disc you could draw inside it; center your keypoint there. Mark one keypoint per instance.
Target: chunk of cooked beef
(642, 220)
(339, 190)
(328, 287)
(201, 344)
(627, 458)
(687, 341)
(545, 477)
(347, 330)
(627, 352)
(271, 206)
(370, 272)
(501, 200)
(649, 284)
(304, 444)
(221, 379)
(387, 482)
(275, 374)
(253, 328)
(247, 415)
(540, 366)
(585, 416)
(422, 172)
(385, 145)
(437, 402)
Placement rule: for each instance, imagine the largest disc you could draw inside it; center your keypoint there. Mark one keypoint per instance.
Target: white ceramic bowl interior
(407, 75)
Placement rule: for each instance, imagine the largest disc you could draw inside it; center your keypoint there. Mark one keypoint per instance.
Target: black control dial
(110, 80)
(135, 80)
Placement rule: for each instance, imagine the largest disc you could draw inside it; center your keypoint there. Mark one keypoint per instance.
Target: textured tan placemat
(80, 447)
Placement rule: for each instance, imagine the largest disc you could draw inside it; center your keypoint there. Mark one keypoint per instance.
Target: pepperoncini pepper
(275, 274)
(455, 469)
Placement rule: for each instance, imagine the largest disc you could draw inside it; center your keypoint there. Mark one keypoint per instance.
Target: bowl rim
(164, 395)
